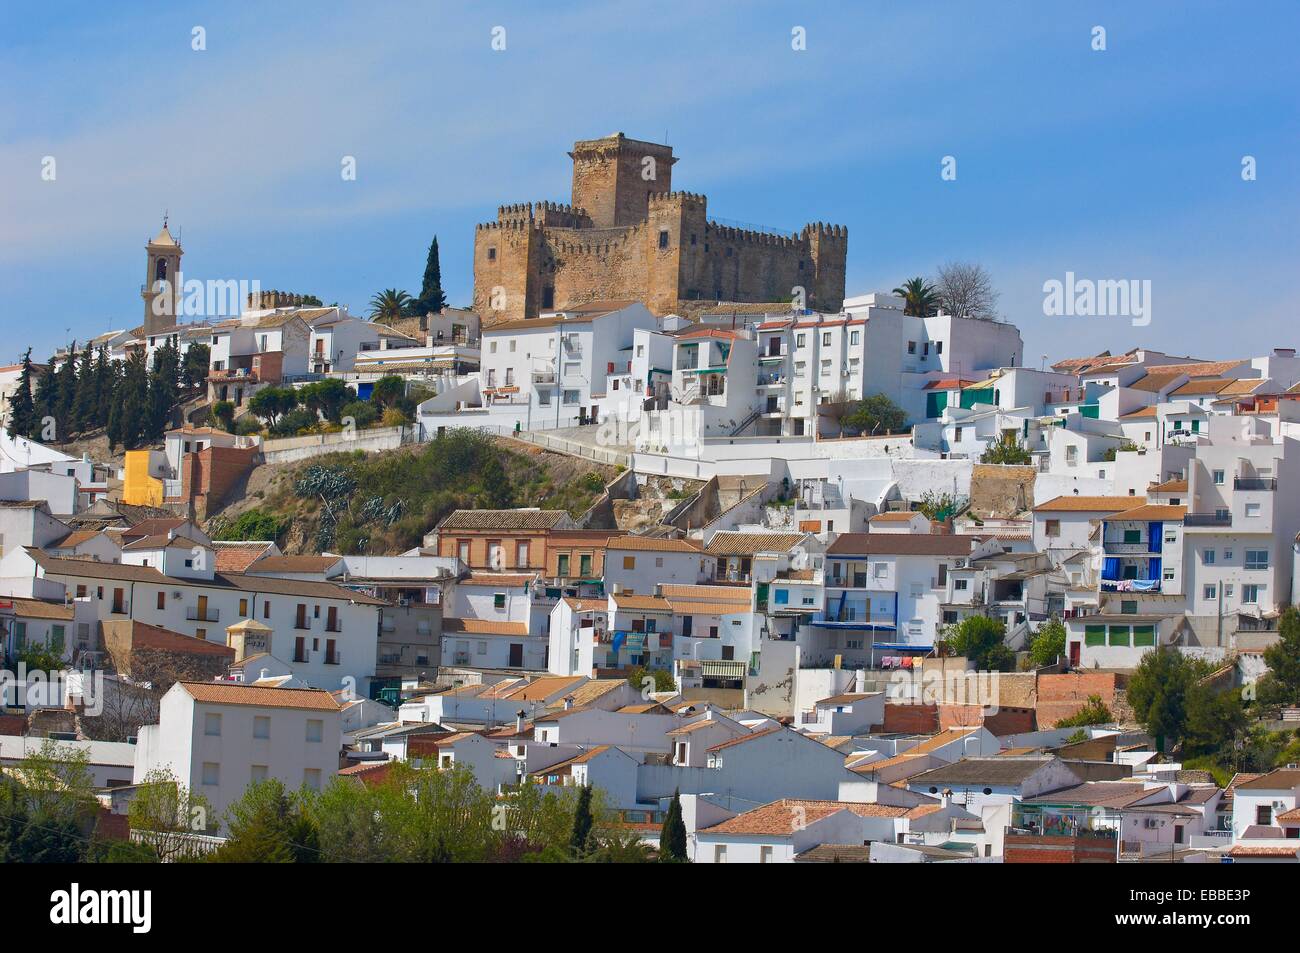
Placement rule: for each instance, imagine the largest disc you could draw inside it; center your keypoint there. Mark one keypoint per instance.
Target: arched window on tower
(160, 270)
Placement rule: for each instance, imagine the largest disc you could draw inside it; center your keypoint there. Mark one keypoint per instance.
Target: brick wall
(911, 719)
(1060, 696)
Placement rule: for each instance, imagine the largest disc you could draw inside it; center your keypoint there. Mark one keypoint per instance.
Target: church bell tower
(160, 291)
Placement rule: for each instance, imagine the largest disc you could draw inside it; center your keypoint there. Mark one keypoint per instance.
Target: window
(1227, 555)
(1251, 594)
(211, 773)
(315, 729)
(855, 337)
(212, 725)
(1207, 557)
(492, 254)
(257, 773)
(1128, 607)
(584, 566)
(911, 347)
(959, 585)
(243, 607)
(629, 562)
(311, 778)
(499, 600)
(826, 339)
(562, 564)
(1171, 536)
(521, 554)
(261, 726)
(1053, 528)
(800, 340)
(1132, 536)
(1263, 814)
(765, 855)
(1210, 592)
(162, 600)
(570, 397)
(663, 238)
(1218, 477)
(1257, 559)
(1252, 510)
(720, 853)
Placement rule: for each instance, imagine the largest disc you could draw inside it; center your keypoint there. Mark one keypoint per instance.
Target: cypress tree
(105, 381)
(22, 411)
(432, 299)
(672, 837)
(579, 840)
(163, 389)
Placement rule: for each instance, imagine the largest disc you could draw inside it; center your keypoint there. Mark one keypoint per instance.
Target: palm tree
(921, 297)
(390, 304)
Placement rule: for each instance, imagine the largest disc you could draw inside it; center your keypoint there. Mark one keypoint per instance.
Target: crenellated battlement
(628, 234)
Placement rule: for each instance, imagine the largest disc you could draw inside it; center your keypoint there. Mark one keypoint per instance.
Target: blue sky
(1117, 164)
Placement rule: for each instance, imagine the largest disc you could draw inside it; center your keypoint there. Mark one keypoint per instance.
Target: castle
(627, 235)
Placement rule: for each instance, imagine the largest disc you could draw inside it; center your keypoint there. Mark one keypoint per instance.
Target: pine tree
(67, 394)
(432, 299)
(130, 404)
(46, 400)
(83, 404)
(164, 388)
(105, 381)
(672, 837)
(22, 411)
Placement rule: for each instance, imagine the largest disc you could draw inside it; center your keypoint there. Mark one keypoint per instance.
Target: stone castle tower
(163, 264)
(627, 235)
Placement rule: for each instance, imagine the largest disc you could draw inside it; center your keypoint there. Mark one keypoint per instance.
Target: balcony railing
(1240, 484)
(211, 615)
(334, 658)
(1207, 519)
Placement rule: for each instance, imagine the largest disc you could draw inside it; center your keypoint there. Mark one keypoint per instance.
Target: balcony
(302, 625)
(1267, 485)
(1130, 585)
(768, 379)
(1207, 519)
(334, 658)
(193, 614)
(334, 626)
(543, 377)
(1117, 547)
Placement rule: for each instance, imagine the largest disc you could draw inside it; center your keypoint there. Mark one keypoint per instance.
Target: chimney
(568, 702)
(263, 673)
(519, 722)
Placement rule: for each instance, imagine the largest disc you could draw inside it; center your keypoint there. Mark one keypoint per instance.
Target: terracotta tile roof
(1087, 504)
(1169, 486)
(564, 766)
(642, 603)
(708, 608)
(586, 605)
(1289, 816)
(945, 737)
(781, 818)
(653, 544)
(1203, 386)
(1275, 780)
(1155, 381)
(1151, 511)
(1201, 368)
(898, 516)
(484, 627)
(728, 543)
(238, 556)
(1146, 413)
(38, 609)
(154, 526)
(540, 689)
(1243, 850)
(312, 564)
(162, 541)
(675, 593)
(234, 693)
(846, 698)
(89, 569)
(1076, 364)
(503, 519)
(74, 539)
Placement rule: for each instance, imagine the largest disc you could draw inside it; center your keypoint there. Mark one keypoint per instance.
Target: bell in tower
(161, 291)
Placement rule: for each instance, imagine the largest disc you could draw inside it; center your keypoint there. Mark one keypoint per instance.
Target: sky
(1122, 163)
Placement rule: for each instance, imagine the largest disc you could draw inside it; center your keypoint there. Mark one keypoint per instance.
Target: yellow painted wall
(138, 487)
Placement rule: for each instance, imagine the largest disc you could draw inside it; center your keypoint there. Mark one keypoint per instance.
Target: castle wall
(626, 237)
